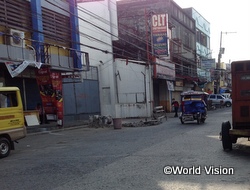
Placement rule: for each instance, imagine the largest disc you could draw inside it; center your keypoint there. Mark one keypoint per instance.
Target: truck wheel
(226, 140)
(4, 147)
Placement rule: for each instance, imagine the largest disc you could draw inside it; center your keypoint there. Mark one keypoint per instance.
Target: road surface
(161, 157)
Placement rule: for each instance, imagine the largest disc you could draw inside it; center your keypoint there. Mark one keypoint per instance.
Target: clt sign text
(159, 34)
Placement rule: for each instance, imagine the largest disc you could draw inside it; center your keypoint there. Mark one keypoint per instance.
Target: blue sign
(160, 45)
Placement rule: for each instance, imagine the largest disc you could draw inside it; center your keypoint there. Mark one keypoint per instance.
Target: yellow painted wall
(51, 50)
(55, 50)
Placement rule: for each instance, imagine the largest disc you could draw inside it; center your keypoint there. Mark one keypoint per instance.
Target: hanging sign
(15, 68)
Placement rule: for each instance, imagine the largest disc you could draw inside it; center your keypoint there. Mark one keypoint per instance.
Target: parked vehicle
(218, 99)
(241, 105)
(193, 106)
(12, 126)
(226, 95)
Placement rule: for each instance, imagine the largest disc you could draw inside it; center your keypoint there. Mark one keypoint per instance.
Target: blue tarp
(194, 106)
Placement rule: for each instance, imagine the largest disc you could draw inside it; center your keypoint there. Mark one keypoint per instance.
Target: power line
(99, 49)
(98, 27)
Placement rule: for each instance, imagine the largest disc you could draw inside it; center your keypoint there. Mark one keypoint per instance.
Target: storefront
(164, 76)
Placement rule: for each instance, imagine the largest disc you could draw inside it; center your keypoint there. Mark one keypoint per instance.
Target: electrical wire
(98, 27)
(104, 51)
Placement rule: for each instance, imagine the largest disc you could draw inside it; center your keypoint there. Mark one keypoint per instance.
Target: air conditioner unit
(16, 38)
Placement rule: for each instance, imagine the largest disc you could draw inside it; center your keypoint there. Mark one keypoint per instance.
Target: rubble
(98, 121)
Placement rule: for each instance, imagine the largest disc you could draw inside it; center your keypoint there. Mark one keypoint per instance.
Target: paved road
(130, 158)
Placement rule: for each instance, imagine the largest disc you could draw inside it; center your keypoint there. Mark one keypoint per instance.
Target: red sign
(46, 90)
(50, 86)
(159, 23)
(58, 100)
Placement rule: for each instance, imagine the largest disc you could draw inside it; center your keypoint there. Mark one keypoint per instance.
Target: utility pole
(218, 66)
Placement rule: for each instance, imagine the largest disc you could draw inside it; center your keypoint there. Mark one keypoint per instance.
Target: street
(161, 157)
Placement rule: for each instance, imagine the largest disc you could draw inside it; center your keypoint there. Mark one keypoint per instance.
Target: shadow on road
(241, 150)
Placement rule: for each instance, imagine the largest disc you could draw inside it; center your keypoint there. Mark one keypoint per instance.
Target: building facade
(125, 84)
(141, 41)
(204, 55)
(39, 37)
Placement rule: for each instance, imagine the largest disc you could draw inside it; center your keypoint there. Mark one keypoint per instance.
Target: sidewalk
(127, 122)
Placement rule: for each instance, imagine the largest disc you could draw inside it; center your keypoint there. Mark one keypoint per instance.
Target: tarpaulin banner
(50, 86)
(56, 78)
(47, 93)
(15, 68)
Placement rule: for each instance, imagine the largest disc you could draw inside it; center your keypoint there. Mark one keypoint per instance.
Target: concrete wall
(98, 27)
(125, 90)
(15, 53)
(133, 89)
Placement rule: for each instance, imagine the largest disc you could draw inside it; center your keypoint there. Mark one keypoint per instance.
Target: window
(192, 24)
(208, 42)
(203, 40)
(8, 99)
(175, 12)
(180, 16)
(185, 20)
(220, 97)
(186, 38)
(212, 97)
(198, 36)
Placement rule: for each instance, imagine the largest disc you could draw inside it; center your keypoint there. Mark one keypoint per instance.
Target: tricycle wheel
(182, 122)
(198, 120)
(226, 140)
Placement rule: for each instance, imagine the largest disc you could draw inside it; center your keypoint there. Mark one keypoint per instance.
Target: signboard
(159, 34)
(170, 85)
(159, 23)
(208, 64)
(178, 83)
(58, 100)
(164, 70)
(46, 90)
(15, 68)
(50, 86)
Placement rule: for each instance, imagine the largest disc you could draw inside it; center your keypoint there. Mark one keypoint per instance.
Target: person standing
(41, 113)
(175, 104)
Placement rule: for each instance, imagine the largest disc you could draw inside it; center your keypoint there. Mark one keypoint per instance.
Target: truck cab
(12, 127)
(240, 127)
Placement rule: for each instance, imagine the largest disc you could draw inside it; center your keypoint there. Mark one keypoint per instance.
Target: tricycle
(193, 106)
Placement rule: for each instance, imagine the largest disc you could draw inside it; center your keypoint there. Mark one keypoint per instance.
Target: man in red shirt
(176, 107)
